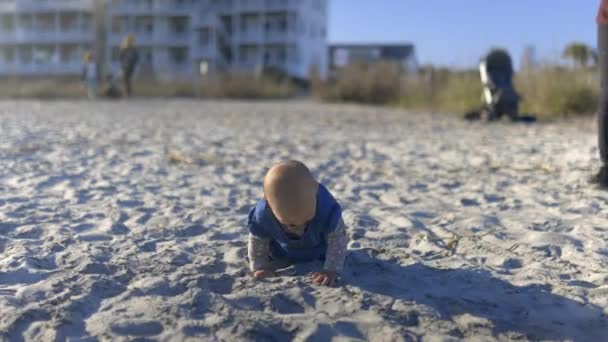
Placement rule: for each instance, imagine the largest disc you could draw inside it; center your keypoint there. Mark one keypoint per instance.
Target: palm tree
(579, 53)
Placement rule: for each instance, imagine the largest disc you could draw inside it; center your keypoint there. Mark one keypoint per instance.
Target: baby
(297, 221)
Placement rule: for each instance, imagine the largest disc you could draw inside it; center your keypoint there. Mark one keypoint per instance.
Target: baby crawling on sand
(297, 221)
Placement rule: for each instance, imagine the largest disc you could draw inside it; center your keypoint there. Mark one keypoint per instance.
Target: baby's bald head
(291, 191)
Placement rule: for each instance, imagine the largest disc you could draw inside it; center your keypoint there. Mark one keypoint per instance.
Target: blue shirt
(310, 246)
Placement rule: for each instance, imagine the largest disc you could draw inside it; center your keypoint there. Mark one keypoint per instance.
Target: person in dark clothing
(128, 61)
(601, 178)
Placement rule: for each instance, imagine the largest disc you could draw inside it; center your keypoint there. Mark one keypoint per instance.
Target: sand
(126, 221)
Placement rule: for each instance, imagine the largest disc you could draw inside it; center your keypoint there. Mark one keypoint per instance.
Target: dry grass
(551, 92)
(378, 83)
(246, 86)
(547, 92)
(242, 86)
(42, 89)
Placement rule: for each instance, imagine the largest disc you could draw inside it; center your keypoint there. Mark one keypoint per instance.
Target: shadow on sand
(532, 310)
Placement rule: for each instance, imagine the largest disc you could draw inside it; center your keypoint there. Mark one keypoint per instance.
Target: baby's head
(291, 192)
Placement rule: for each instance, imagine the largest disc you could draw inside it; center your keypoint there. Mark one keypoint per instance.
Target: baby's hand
(259, 274)
(327, 278)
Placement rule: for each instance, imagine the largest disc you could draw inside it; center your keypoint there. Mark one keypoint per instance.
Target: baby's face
(297, 214)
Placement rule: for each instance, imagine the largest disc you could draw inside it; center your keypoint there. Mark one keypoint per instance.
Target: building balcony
(31, 69)
(205, 20)
(173, 39)
(150, 8)
(279, 37)
(282, 5)
(46, 37)
(252, 36)
(157, 38)
(131, 8)
(252, 6)
(8, 6)
(49, 5)
(174, 9)
(205, 51)
(141, 38)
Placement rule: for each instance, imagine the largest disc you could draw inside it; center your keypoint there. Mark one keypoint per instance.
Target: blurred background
(418, 54)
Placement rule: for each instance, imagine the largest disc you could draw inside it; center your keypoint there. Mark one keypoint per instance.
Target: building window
(115, 54)
(116, 25)
(179, 26)
(283, 25)
(25, 22)
(68, 53)
(144, 25)
(8, 23)
(147, 55)
(8, 54)
(204, 37)
(87, 22)
(25, 53)
(178, 55)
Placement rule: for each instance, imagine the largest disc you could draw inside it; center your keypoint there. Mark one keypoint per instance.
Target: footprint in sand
(469, 202)
(225, 236)
(7, 292)
(28, 232)
(97, 268)
(282, 304)
(217, 284)
(149, 246)
(7, 227)
(142, 328)
(83, 227)
(129, 203)
(195, 330)
(512, 263)
(190, 231)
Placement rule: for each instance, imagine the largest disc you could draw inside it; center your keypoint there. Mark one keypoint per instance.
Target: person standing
(601, 178)
(128, 61)
(89, 74)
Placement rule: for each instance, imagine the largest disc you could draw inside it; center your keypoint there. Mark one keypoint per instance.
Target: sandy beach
(126, 221)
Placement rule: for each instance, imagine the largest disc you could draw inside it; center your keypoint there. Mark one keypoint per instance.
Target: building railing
(208, 51)
(279, 36)
(52, 5)
(277, 5)
(151, 7)
(37, 68)
(141, 38)
(45, 36)
(252, 35)
(156, 38)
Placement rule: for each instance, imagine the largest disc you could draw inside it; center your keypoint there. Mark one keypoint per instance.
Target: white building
(48, 37)
(44, 36)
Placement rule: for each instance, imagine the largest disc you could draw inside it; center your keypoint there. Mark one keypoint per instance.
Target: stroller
(111, 90)
(499, 96)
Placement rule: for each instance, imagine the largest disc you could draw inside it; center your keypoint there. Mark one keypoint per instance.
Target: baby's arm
(336, 249)
(258, 252)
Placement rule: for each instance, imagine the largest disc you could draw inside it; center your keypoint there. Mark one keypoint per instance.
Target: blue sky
(457, 32)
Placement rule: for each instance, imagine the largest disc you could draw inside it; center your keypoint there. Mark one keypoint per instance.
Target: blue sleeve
(254, 227)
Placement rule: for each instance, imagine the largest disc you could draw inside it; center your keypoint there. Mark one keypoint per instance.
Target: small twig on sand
(177, 157)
